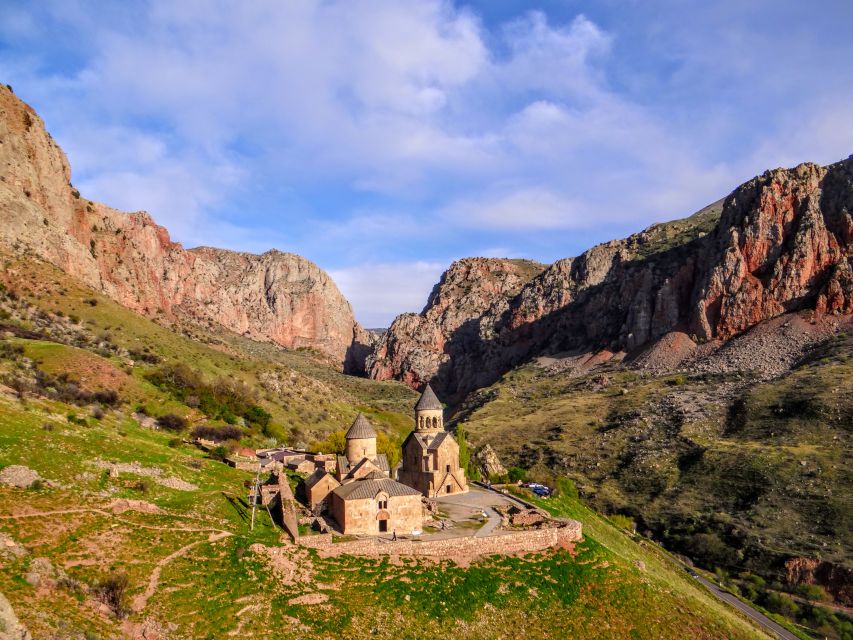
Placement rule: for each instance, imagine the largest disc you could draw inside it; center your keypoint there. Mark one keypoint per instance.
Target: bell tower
(429, 414)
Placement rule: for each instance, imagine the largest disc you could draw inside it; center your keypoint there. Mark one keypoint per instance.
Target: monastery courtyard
(462, 515)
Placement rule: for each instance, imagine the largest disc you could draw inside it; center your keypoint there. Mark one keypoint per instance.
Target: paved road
(493, 523)
(765, 622)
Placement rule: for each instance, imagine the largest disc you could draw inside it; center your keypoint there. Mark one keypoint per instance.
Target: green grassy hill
(737, 474)
(608, 587)
(134, 521)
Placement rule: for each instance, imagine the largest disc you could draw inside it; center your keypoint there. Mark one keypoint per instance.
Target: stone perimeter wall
(500, 544)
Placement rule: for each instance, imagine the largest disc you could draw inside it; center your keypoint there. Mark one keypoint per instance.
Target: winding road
(766, 623)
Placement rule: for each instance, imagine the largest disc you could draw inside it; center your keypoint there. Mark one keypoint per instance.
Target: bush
(174, 443)
(112, 591)
(217, 434)
(224, 399)
(219, 453)
(566, 487)
(517, 474)
(172, 422)
(623, 522)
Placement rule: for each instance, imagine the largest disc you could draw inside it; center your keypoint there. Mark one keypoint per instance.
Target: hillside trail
(141, 600)
(102, 512)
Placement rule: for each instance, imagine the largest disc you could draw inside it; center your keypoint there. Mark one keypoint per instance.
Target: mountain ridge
(782, 243)
(277, 296)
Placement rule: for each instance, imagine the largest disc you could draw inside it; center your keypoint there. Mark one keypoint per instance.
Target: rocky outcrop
(489, 462)
(277, 297)
(779, 243)
(10, 627)
(414, 350)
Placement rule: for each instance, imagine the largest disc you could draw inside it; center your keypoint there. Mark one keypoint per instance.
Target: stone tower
(430, 454)
(361, 441)
(429, 414)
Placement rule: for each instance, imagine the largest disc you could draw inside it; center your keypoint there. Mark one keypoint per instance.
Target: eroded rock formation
(779, 243)
(277, 297)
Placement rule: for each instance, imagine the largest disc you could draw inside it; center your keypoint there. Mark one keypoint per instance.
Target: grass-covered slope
(130, 530)
(193, 572)
(735, 473)
(100, 343)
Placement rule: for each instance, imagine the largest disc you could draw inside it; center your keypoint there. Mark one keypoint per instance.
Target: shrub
(517, 474)
(97, 413)
(174, 443)
(172, 422)
(623, 522)
(813, 593)
(112, 591)
(107, 397)
(217, 433)
(219, 453)
(566, 487)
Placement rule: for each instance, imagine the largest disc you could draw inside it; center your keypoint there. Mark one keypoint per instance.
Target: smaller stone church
(360, 495)
(431, 454)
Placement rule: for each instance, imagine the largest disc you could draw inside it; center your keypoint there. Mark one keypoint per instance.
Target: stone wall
(456, 549)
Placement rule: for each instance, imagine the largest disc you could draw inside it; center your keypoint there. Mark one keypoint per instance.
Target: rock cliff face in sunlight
(277, 297)
(779, 243)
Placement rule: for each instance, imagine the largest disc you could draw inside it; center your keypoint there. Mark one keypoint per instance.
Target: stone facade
(366, 500)
(380, 514)
(430, 454)
(318, 486)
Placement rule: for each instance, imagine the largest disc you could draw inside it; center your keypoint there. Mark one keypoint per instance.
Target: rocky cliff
(277, 297)
(415, 347)
(779, 243)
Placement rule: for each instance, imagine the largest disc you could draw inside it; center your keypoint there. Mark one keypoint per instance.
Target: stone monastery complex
(362, 494)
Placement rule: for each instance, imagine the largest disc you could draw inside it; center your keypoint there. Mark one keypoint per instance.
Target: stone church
(430, 454)
(361, 496)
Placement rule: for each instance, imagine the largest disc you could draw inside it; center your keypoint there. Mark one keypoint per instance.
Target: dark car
(542, 492)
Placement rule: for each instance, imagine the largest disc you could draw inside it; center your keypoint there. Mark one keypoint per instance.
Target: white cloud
(527, 208)
(378, 292)
(528, 129)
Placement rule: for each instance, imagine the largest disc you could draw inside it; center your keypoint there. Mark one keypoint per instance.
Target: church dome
(428, 401)
(360, 429)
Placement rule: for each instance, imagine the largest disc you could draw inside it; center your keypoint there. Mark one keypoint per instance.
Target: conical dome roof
(360, 429)
(428, 400)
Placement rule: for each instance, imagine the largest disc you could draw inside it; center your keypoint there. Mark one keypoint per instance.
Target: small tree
(465, 462)
(112, 591)
(390, 446)
(335, 442)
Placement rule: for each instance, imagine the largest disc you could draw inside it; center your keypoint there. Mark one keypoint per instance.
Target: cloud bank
(383, 138)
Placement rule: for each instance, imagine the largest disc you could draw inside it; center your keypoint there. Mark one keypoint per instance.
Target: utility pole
(256, 492)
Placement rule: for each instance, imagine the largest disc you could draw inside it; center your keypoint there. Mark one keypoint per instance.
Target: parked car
(542, 492)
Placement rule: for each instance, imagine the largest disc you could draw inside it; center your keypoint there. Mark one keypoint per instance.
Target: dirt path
(130, 523)
(154, 580)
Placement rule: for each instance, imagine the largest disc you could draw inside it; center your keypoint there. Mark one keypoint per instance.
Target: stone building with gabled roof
(361, 497)
(317, 488)
(431, 454)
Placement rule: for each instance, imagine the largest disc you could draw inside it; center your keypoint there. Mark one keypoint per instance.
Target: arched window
(435, 422)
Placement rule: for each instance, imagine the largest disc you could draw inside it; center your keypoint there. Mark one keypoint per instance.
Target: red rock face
(414, 347)
(782, 244)
(276, 297)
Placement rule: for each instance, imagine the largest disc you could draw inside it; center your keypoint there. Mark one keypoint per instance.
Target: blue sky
(384, 139)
